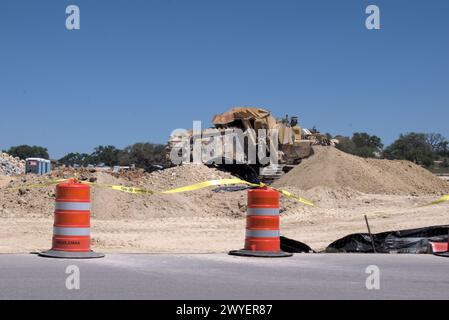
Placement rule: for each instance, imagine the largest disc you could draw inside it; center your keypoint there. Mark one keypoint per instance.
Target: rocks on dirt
(10, 166)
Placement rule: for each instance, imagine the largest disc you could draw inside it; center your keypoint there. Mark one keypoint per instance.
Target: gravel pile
(10, 166)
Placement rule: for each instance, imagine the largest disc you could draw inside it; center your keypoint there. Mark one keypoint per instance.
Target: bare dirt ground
(207, 221)
(317, 227)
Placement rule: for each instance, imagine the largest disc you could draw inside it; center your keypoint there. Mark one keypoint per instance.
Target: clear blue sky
(139, 69)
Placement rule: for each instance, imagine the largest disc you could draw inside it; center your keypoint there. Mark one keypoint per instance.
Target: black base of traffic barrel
(260, 254)
(442, 254)
(71, 255)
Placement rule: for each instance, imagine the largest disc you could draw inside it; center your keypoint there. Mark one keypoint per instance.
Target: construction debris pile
(11, 166)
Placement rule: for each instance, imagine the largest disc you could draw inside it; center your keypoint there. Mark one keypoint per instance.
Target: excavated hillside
(332, 169)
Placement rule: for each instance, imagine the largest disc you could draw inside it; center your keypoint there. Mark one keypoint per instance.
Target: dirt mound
(16, 199)
(332, 168)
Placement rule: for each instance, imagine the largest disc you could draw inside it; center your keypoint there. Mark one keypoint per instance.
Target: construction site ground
(343, 187)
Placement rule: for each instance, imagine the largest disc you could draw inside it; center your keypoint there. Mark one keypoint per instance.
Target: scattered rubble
(10, 166)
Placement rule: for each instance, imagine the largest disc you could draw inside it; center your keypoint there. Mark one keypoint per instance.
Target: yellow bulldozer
(293, 142)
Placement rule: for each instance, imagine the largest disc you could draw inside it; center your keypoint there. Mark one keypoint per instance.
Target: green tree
(72, 159)
(143, 155)
(361, 144)
(25, 151)
(105, 154)
(364, 140)
(345, 144)
(412, 147)
(439, 144)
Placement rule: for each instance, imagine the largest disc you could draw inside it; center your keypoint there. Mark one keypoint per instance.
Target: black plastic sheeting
(414, 241)
(293, 246)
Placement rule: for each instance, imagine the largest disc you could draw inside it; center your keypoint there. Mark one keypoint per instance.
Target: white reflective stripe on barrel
(262, 233)
(60, 231)
(263, 212)
(72, 206)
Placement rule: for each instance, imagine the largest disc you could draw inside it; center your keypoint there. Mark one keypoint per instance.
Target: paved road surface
(163, 276)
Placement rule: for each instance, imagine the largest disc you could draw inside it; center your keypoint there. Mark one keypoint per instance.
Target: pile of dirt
(331, 168)
(11, 166)
(17, 199)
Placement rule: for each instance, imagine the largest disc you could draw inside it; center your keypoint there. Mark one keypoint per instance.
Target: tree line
(142, 155)
(420, 148)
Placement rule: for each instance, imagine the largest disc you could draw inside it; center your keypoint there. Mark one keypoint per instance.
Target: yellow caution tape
(210, 183)
(132, 190)
(225, 182)
(193, 187)
(440, 200)
(199, 186)
(292, 196)
(38, 185)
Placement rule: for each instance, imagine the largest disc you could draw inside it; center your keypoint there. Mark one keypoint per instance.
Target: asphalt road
(218, 276)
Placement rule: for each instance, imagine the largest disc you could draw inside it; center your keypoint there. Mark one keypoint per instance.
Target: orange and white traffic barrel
(262, 226)
(71, 230)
